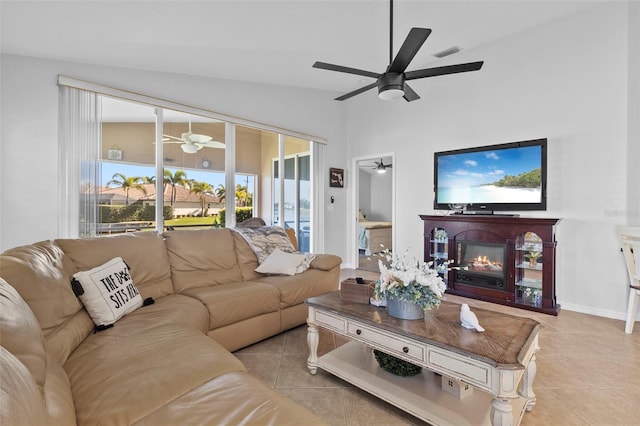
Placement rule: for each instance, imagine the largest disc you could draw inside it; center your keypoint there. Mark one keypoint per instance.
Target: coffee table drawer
(330, 321)
(460, 367)
(388, 341)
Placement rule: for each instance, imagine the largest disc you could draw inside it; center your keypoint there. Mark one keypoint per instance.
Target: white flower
(414, 280)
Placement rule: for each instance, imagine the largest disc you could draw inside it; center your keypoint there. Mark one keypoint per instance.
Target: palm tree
(127, 183)
(149, 179)
(243, 196)
(221, 192)
(202, 189)
(173, 179)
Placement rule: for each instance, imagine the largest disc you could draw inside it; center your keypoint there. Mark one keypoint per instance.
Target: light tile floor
(588, 373)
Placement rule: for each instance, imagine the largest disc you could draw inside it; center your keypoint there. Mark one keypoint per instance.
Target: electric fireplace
(481, 264)
(489, 258)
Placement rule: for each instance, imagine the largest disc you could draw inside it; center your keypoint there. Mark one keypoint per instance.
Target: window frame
(69, 229)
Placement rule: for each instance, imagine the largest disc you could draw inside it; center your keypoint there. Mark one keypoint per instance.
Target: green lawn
(187, 221)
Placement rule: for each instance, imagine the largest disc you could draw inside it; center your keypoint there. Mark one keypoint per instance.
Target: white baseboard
(606, 313)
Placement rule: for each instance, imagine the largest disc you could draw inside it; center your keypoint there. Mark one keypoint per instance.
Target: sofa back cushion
(202, 258)
(144, 252)
(20, 333)
(57, 395)
(29, 372)
(247, 259)
(41, 273)
(21, 400)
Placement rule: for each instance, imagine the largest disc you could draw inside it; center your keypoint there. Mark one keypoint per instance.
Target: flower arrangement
(533, 255)
(411, 281)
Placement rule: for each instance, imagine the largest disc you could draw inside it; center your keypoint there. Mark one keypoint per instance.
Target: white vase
(402, 309)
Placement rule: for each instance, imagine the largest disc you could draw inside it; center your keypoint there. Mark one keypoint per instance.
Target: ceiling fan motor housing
(390, 81)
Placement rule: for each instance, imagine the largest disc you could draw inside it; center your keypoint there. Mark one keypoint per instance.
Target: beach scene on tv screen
(511, 175)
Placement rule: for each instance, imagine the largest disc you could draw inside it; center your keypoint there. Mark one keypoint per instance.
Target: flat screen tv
(504, 177)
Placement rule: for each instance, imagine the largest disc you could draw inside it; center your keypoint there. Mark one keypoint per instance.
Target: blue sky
(131, 170)
(480, 168)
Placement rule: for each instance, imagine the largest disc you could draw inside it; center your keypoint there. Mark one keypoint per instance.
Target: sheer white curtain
(79, 171)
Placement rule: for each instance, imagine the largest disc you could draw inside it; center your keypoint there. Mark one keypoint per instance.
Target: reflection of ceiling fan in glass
(193, 142)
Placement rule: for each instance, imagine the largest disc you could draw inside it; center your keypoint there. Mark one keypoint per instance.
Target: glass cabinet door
(529, 267)
(439, 241)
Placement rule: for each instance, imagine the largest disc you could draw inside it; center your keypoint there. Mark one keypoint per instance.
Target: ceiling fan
(392, 83)
(380, 167)
(193, 142)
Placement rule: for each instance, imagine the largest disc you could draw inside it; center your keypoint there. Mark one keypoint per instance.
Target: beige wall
(136, 142)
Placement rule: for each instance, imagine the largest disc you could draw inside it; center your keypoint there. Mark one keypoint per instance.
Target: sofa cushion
(233, 302)
(201, 258)
(121, 375)
(245, 399)
(41, 273)
(66, 339)
(295, 289)
(144, 252)
(20, 333)
(107, 291)
(57, 395)
(21, 401)
(173, 309)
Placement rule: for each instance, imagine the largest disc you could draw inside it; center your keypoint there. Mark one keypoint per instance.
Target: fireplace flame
(484, 263)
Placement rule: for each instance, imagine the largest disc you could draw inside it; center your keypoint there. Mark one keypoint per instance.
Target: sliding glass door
(184, 182)
(296, 197)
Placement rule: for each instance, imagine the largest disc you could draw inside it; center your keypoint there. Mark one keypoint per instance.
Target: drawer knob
(358, 332)
(405, 350)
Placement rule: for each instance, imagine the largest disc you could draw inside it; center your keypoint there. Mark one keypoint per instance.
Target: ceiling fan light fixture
(381, 169)
(391, 86)
(189, 148)
(390, 94)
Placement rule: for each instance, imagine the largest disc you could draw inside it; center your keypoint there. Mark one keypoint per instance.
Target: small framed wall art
(336, 178)
(114, 154)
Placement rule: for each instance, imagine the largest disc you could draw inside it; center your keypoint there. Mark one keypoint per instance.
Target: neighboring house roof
(182, 194)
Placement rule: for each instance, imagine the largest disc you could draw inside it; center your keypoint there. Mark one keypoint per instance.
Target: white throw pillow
(107, 291)
(280, 262)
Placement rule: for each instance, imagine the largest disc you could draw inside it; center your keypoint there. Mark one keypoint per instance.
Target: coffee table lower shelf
(421, 395)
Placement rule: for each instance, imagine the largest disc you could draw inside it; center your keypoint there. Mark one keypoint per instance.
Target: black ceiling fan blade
(340, 68)
(448, 69)
(357, 92)
(410, 94)
(411, 45)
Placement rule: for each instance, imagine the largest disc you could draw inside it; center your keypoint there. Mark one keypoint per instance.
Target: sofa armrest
(326, 262)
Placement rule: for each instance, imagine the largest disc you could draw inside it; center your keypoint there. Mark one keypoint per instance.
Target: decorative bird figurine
(469, 319)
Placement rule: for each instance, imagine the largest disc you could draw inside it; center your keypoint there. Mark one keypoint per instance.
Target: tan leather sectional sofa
(168, 363)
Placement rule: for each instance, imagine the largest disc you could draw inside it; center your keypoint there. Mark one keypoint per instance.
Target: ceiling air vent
(447, 52)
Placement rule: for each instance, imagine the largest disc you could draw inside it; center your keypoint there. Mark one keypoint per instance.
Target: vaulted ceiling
(266, 41)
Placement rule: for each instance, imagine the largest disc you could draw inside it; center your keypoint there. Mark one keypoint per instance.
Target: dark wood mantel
(508, 230)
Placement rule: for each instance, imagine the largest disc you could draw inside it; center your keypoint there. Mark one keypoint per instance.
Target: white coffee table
(500, 362)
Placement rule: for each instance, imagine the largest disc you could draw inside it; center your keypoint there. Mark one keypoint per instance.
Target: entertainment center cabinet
(502, 259)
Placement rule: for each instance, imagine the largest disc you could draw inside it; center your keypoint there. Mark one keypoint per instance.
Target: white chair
(630, 239)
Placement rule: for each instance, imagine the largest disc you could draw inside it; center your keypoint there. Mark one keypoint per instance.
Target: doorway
(373, 208)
